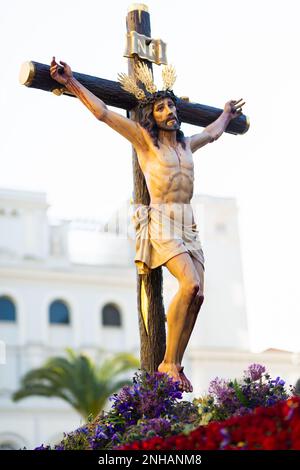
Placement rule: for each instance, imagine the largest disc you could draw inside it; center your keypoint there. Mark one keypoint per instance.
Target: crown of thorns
(144, 75)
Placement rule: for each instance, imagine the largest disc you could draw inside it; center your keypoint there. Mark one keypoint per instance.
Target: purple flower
(278, 381)
(243, 410)
(271, 401)
(234, 398)
(157, 426)
(255, 371)
(221, 390)
(218, 387)
(226, 437)
(59, 447)
(42, 447)
(150, 396)
(84, 430)
(99, 433)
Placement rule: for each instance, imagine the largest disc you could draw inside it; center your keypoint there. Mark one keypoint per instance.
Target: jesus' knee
(190, 289)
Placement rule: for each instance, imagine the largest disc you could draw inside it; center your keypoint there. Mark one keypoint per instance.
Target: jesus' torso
(169, 175)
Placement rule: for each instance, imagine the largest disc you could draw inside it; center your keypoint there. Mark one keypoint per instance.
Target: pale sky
(221, 51)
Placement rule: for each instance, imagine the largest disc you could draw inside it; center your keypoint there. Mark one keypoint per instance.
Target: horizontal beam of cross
(37, 75)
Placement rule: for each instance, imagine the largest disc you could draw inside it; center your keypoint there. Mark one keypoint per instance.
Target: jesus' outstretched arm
(129, 129)
(213, 131)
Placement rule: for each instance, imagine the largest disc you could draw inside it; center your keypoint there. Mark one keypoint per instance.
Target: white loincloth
(159, 238)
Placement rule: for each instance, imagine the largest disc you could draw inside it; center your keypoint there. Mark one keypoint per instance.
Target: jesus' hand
(60, 73)
(234, 108)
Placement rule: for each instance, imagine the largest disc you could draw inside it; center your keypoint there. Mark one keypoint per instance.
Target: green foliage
(78, 381)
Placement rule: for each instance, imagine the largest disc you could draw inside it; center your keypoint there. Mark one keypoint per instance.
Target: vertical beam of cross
(153, 338)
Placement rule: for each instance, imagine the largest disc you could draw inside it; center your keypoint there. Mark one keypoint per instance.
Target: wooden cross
(149, 299)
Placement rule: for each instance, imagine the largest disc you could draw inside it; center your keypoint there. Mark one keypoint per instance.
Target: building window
(111, 315)
(7, 309)
(59, 313)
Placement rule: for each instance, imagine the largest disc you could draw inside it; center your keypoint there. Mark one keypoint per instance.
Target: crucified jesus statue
(165, 156)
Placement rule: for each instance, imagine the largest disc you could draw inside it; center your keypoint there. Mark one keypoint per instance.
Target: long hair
(146, 118)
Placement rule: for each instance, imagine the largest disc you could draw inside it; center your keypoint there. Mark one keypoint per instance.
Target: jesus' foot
(171, 370)
(187, 384)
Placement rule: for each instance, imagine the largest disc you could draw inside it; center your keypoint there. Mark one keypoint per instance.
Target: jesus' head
(161, 114)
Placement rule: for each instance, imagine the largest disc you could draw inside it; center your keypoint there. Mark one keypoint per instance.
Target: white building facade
(72, 283)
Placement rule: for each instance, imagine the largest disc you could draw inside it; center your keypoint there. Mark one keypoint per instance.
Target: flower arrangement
(253, 412)
(149, 407)
(228, 398)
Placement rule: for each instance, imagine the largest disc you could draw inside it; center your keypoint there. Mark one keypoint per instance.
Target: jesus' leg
(191, 320)
(182, 267)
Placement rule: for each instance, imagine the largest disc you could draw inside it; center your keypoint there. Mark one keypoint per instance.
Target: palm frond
(119, 363)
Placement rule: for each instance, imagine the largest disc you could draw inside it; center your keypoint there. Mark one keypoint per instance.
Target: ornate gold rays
(169, 77)
(129, 84)
(144, 74)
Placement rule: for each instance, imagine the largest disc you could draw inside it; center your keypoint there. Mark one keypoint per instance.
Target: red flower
(272, 428)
